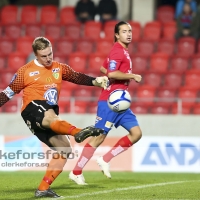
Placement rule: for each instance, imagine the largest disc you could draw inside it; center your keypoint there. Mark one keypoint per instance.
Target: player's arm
(118, 75)
(68, 74)
(103, 70)
(15, 86)
(114, 72)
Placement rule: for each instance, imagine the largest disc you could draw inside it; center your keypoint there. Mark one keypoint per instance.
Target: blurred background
(165, 50)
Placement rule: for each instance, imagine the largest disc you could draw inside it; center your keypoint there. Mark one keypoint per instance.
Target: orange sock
(62, 127)
(54, 169)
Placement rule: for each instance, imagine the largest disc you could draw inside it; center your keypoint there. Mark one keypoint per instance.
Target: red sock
(62, 127)
(86, 155)
(122, 145)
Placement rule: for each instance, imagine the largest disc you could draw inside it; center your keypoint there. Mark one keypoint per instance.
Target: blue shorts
(106, 118)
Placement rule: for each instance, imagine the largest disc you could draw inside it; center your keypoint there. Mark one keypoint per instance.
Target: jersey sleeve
(15, 86)
(68, 74)
(115, 59)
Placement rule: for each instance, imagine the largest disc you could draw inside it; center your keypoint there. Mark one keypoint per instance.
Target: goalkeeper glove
(101, 81)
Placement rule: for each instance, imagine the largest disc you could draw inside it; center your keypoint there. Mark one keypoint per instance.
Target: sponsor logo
(55, 70)
(51, 95)
(36, 78)
(48, 79)
(56, 75)
(109, 124)
(46, 87)
(112, 65)
(185, 154)
(34, 73)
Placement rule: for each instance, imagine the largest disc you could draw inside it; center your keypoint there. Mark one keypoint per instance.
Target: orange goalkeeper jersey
(41, 83)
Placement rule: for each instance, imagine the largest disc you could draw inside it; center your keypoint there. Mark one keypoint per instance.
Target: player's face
(125, 35)
(45, 56)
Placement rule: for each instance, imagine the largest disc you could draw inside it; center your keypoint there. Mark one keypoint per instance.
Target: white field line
(126, 188)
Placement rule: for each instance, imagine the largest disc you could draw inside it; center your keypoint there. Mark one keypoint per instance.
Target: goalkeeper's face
(45, 56)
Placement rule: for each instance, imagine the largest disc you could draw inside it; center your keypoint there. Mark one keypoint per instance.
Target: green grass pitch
(122, 186)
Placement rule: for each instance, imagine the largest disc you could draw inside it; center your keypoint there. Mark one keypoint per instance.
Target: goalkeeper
(41, 81)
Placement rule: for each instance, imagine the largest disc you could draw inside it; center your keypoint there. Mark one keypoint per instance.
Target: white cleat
(105, 167)
(78, 179)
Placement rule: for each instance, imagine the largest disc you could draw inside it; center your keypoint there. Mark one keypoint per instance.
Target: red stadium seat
(13, 31)
(139, 63)
(136, 30)
(3, 63)
(80, 107)
(29, 14)
(153, 79)
(69, 86)
(159, 62)
(169, 30)
(9, 14)
(6, 46)
(160, 109)
(103, 46)
(92, 30)
(48, 14)
(7, 77)
(195, 62)
(64, 46)
(64, 106)
(83, 92)
(97, 92)
(24, 45)
(145, 47)
(53, 31)
(198, 47)
(59, 57)
(152, 31)
(182, 109)
(67, 15)
(78, 61)
(146, 94)
(33, 30)
(187, 95)
(85, 45)
(179, 63)
(65, 94)
(173, 80)
(11, 106)
(166, 46)
(96, 61)
(166, 94)
(108, 29)
(196, 109)
(165, 13)
(73, 30)
(186, 46)
(139, 108)
(16, 60)
(192, 79)
(92, 108)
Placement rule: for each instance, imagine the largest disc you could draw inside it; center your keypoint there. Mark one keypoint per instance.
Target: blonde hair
(40, 43)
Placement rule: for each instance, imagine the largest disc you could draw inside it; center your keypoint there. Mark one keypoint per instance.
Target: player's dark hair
(117, 27)
(40, 43)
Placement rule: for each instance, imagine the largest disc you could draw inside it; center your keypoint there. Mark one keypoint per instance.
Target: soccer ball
(119, 100)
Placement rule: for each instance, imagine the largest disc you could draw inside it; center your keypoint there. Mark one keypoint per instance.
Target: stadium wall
(169, 144)
(152, 125)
